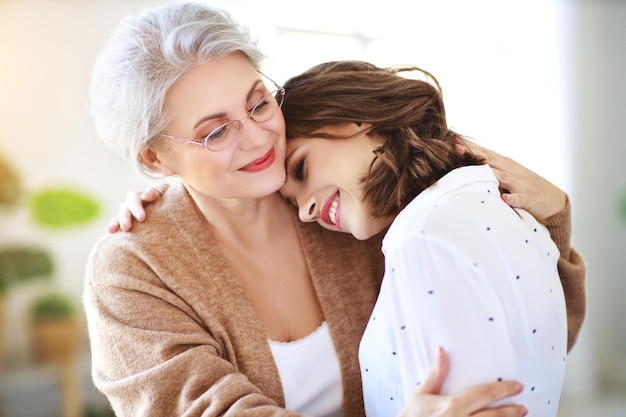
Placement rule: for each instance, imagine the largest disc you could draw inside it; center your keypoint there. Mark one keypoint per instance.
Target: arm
(450, 316)
(572, 271)
(153, 355)
(549, 204)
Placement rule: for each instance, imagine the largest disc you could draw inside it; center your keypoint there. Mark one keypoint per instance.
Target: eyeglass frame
(205, 142)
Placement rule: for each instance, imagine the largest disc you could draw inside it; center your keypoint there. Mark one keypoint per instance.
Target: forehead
(211, 84)
(343, 129)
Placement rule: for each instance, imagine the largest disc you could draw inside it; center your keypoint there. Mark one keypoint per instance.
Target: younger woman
(369, 149)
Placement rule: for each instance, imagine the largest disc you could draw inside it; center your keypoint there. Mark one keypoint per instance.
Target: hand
(133, 207)
(427, 401)
(522, 187)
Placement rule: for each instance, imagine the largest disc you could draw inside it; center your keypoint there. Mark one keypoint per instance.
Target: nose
(252, 136)
(309, 210)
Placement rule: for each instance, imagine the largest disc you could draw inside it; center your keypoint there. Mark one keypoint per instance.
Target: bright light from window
(500, 63)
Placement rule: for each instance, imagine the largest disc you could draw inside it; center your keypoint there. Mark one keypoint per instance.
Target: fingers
(124, 217)
(134, 206)
(504, 411)
(113, 226)
(472, 402)
(427, 400)
(438, 372)
(525, 189)
(482, 396)
(151, 195)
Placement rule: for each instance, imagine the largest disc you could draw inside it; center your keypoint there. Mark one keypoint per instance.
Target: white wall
(538, 80)
(598, 175)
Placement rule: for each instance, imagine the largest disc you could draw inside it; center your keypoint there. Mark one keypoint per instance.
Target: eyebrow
(222, 114)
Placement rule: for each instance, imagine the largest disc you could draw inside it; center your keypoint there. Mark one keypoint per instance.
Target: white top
(466, 272)
(310, 374)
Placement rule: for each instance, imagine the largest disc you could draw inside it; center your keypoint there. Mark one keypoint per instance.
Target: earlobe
(150, 159)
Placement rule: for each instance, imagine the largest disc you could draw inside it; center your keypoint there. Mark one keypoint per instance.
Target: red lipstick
(262, 163)
(331, 201)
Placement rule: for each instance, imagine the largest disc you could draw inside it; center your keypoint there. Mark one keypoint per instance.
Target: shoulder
(169, 233)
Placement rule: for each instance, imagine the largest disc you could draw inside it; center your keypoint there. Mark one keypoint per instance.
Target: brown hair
(407, 114)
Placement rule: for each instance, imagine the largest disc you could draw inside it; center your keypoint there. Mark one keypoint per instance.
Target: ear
(150, 159)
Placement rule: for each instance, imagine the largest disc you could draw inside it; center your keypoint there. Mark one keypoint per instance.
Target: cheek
(281, 141)
(202, 162)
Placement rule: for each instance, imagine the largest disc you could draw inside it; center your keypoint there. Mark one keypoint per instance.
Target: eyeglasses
(228, 133)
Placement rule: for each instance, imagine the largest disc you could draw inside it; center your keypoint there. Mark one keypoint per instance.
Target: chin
(366, 234)
(330, 227)
(362, 236)
(275, 180)
(265, 187)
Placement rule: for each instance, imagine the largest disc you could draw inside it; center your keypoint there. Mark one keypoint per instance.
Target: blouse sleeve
(451, 305)
(572, 270)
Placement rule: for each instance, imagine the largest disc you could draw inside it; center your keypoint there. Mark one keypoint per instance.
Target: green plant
(50, 207)
(62, 207)
(52, 306)
(22, 264)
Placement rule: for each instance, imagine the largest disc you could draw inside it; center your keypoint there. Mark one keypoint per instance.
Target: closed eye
(217, 133)
(299, 170)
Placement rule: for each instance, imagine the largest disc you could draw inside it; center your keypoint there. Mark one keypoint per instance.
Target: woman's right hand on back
(427, 401)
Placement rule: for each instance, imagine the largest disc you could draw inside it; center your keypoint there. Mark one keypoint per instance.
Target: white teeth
(332, 211)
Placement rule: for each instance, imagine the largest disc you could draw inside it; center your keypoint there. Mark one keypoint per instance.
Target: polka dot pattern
(466, 272)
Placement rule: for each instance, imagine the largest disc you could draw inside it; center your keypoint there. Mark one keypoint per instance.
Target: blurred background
(538, 80)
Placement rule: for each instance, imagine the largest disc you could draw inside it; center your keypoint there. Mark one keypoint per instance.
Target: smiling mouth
(262, 163)
(330, 211)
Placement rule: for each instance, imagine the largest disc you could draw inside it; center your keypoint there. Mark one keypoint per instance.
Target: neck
(245, 222)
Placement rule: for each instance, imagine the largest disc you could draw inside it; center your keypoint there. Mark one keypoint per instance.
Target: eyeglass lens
(223, 136)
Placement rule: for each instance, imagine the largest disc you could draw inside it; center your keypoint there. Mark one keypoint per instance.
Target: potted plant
(55, 333)
(55, 328)
(19, 265)
(50, 208)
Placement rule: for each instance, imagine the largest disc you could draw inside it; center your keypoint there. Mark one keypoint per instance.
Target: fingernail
(525, 411)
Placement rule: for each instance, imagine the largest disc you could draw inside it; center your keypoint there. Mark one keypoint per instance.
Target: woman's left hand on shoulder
(522, 187)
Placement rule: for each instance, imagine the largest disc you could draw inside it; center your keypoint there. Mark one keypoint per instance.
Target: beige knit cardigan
(173, 334)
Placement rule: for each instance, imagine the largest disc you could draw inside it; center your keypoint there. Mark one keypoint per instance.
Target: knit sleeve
(572, 270)
(151, 353)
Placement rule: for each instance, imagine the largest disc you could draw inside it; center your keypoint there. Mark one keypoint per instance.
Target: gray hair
(141, 60)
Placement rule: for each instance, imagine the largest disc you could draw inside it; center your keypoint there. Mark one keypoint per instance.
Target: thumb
(437, 374)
